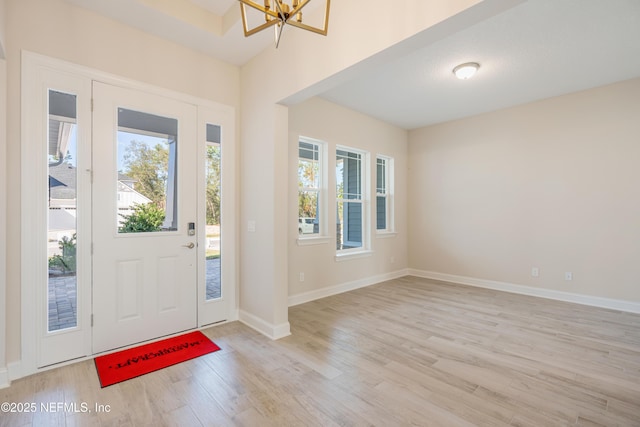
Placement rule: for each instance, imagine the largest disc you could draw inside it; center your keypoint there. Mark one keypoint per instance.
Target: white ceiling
(219, 7)
(536, 50)
(213, 27)
(539, 49)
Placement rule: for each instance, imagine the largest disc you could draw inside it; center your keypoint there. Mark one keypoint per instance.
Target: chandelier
(279, 15)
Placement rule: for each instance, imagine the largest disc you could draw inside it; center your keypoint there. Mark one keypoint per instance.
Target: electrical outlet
(568, 275)
(535, 272)
(302, 277)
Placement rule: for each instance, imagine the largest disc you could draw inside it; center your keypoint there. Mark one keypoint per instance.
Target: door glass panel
(62, 201)
(146, 162)
(213, 192)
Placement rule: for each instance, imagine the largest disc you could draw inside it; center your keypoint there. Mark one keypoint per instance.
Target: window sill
(309, 241)
(354, 255)
(386, 234)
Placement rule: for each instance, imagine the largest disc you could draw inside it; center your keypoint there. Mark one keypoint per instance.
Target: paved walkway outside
(63, 296)
(63, 299)
(213, 278)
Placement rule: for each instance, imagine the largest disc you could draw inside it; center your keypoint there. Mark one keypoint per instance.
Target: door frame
(214, 311)
(68, 343)
(35, 67)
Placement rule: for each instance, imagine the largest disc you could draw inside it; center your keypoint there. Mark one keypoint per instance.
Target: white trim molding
(385, 234)
(267, 329)
(343, 287)
(613, 304)
(309, 241)
(345, 256)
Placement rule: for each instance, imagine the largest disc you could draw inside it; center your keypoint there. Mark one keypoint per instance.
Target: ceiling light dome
(466, 71)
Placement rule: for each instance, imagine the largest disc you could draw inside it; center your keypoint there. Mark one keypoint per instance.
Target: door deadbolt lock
(192, 229)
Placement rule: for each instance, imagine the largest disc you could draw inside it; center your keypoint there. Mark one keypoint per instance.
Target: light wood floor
(404, 352)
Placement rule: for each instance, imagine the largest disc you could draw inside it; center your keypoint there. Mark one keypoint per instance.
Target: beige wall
(336, 125)
(59, 30)
(551, 184)
(299, 69)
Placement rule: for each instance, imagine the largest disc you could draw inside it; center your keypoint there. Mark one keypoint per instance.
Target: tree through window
(309, 187)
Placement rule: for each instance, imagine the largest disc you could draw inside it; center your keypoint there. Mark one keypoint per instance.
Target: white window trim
(313, 240)
(353, 255)
(365, 249)
(383, 234)
(322, 237)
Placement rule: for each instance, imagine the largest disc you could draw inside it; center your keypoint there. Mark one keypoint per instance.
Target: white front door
(145, 156)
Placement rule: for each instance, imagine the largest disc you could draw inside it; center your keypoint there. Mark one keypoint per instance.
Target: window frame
(321, 189)
(387, 193)
(364, 177)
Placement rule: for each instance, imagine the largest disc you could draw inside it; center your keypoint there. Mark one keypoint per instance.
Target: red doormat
(134, 362)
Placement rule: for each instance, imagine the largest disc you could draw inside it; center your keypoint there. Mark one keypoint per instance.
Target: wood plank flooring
(405, 352)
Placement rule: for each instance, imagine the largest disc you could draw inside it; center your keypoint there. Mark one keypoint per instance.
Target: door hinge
(92, 320)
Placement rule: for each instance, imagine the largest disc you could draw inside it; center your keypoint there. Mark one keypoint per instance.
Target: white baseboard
(265, 328)
(614, 304)
(343, 287)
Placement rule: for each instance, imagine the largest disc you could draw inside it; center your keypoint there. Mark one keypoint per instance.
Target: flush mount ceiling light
(279, 15)
(466, 71)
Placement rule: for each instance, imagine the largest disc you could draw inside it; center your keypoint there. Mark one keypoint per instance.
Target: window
(351, 214)
(384, 202)
(310, 185)
(213, 196)
(62, 211)
(146, 152)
